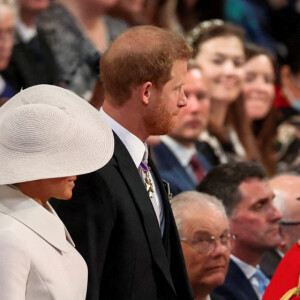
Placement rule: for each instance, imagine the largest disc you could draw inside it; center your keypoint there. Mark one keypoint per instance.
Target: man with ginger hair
(124, 226)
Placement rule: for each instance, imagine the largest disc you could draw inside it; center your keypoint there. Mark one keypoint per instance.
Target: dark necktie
(197, 168)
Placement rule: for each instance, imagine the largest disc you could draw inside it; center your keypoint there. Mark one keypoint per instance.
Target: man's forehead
(254, 187)
(254, 181)
(202, 217)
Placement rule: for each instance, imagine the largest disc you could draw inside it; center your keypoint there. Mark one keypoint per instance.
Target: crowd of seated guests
(220, 52)
(239, 128)
(7, 33)
(32, 61)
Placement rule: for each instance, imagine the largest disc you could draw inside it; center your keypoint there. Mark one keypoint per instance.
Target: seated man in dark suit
(120, 216)
(178, 160)
(254, 220)
(32, 61)
(204, 232)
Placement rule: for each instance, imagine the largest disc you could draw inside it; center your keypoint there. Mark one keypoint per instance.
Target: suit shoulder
(12, 237)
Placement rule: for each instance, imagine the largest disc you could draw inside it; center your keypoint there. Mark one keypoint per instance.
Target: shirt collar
(182, 153)
(26, 33)
(248, 270)
(2, 84)
(134, 145)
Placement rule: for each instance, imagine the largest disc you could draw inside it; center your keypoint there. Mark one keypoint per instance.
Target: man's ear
(145, 92)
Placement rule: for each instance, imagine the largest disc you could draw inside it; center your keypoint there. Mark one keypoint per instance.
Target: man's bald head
(287, 196)
(286, 188)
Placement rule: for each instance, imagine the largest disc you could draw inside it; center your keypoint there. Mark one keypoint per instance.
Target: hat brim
(88, 146)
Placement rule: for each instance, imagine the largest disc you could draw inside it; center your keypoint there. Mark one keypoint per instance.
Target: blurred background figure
(288, 105)
(259, 95)
(178, 160)
(32, 60)
(8, 19)
(205, 238)
(191, 12)
(78, 32)
(219, 50)
(129, 11)
(287, 200)
(255, 17)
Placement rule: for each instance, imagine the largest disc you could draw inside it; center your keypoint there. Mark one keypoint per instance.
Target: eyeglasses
(209, 243)
(289, 223)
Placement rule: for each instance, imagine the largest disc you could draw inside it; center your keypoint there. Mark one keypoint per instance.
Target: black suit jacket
(236, 285)
(269, 262)
(114, 227)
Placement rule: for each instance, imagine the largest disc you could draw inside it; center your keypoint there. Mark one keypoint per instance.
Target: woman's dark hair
(253, 50)
(210, 29)
(264, 130)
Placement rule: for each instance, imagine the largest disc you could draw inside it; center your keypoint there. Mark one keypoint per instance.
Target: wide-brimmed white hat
(49, 132)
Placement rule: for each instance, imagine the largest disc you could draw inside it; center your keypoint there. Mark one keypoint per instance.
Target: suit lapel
(34, 216)
(237, 281)
(139, 195)
(166, 205)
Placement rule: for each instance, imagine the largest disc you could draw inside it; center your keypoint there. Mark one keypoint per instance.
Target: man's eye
(238, 63)
(259, 206)
(218, 61)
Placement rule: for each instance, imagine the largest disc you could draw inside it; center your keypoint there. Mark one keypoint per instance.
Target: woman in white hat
(47, 136)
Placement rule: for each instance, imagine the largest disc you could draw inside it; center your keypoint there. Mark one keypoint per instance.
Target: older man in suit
(205, 237)
(248, 199)
(120, 216)
(178, 160)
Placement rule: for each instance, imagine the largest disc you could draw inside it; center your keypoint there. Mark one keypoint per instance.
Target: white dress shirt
(26, 33)
(249, 272)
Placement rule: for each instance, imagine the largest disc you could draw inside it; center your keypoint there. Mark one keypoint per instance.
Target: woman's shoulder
(13, 241)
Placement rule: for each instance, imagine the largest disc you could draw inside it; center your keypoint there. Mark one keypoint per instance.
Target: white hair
(185, 200)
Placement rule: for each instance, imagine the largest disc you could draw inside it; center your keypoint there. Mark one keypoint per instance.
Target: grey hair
(183, 201)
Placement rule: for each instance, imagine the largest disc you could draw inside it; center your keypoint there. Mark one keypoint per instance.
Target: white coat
(38, 260)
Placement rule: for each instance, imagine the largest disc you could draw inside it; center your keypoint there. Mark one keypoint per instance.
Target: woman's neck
(218, 114)
(90, 20)
(31, 189)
